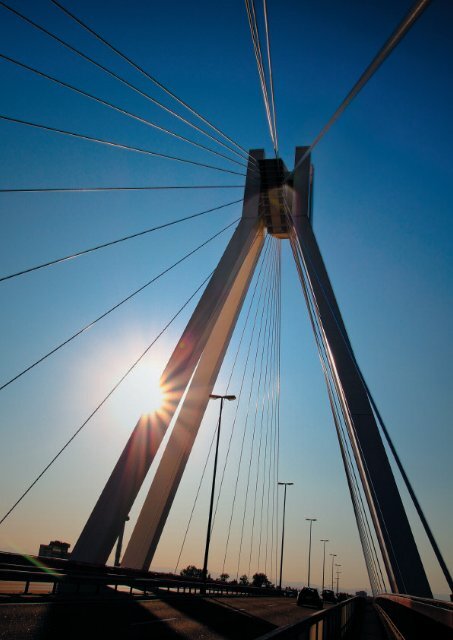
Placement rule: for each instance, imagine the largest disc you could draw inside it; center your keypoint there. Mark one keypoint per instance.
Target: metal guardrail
(411, 618)
(336, 622)
(69, 582)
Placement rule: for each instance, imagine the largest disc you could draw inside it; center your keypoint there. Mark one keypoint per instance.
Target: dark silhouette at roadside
(261, 580)
(191, 571)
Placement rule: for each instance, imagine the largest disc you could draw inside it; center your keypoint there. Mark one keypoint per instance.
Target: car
(329, 596)
(344, 596)
(309, 597)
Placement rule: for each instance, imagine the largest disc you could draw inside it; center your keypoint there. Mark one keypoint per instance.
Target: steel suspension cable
(367, 480)
(263, 484)
(271, 76)
(257, 50)
(259, 306)
(269, 424)
(277, 407)
(353, 492)
(265, 254)
(263, 73)
(364, 528)
(263, 307)
(109, 311)
(315, 328)
(215, 431)
(101, 189)
(417, 505)
(104, 400)
(355, 442)
(347, 466)
(257, 41)
(196, 498)
(367, 540)
(266, 495)
(250, 7)
(117, 241)
(399, 464)
(115, 75)
(120, 110)
(117, 145)
(260, 405)
(278, 411)
(271, 478)
(271, 116)
(395, 38)
(327, 366)
(368, 544)
(257, 402)
(271, 474)
(148, 76)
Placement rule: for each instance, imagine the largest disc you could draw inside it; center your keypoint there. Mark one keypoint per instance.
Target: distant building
(362, 594)
(55, 549)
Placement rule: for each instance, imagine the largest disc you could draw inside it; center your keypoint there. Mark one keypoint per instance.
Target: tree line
(258, 579)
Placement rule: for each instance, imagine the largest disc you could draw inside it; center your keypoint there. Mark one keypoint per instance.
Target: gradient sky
(383, 201)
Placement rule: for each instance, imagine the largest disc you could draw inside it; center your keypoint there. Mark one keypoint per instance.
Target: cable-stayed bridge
(227, 326)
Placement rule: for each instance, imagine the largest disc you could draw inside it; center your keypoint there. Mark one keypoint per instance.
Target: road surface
(175, 617)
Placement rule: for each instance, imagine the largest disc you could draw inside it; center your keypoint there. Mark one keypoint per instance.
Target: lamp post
(334, 555)
(285, 484)
(310, 520)
(323, 563)
(208, 534)
(338, 573)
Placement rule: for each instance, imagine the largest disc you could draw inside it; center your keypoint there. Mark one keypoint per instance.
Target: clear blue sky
(383, 201)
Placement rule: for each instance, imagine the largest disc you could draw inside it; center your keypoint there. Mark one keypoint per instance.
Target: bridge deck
(371, 628)
(172, 617)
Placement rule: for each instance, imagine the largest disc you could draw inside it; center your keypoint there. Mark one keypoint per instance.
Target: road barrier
(104, 582)
(338, 621)
(410, 617)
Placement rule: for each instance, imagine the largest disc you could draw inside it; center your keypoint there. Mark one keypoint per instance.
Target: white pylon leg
(402, 560)
(107, 518)
(102, 528)
(146, 535)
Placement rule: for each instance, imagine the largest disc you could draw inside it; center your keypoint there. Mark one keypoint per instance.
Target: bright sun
(145, 395)
(141, 394)
(153, 393)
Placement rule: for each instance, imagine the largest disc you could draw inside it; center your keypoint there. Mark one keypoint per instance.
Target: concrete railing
(104, 582)
(413, 618)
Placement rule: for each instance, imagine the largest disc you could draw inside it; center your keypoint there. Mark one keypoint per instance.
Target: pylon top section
(272, 205)
(280, 200)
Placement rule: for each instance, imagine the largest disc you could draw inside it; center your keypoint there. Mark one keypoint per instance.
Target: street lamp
(323, 563)
(338, 581)
(310, 520)
(285, 484)
(338, 573)
(334, 555)
(208, 534)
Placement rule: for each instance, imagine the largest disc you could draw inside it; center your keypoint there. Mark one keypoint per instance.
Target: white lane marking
(134, 624)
